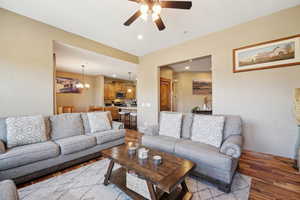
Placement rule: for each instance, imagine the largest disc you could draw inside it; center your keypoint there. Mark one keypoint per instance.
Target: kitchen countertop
(127, 108)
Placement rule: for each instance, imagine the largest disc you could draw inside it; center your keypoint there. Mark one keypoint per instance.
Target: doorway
(187, 86)
(165, 94)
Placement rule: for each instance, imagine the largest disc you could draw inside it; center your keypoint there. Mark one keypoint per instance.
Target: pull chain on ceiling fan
(153, 8)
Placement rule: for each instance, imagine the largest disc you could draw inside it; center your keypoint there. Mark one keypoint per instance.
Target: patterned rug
(86, 183)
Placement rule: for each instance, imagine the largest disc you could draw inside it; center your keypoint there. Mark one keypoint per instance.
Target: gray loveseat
(65, 147)
(217, 165)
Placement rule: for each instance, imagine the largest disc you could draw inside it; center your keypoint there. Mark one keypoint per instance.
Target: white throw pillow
(170, 124)
(99, 121)
(208, 129)
(25, 130)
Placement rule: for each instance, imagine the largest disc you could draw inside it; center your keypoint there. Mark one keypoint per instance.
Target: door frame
(170, 93)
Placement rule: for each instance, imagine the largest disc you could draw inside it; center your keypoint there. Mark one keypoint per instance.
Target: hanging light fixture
(83, 84)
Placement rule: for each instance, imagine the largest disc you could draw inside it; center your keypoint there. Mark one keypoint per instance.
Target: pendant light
(82, 85)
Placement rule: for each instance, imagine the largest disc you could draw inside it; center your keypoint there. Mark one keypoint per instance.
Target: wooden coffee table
(162, 180)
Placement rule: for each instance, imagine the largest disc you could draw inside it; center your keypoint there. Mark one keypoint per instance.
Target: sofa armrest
(117, 125)
(8, 190)
(2, 147)
(151, 130)
(232, 146)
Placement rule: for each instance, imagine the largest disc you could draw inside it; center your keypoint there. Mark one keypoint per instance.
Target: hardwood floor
(273, 177)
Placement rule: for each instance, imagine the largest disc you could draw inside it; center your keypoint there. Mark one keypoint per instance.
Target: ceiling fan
(153, 8)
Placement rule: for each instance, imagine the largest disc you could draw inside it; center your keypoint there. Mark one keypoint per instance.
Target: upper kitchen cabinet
(114, 86)
(109, 91)
(130, 92)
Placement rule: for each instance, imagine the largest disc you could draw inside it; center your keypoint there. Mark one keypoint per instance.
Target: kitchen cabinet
(130, 92)
(109, 92)
(111, 88)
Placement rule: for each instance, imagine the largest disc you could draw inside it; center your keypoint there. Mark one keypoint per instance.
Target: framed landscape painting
(66, 85)
(202, 87)
(272, 54)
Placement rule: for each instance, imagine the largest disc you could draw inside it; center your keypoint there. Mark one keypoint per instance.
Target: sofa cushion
(162, 143)
(66, 125)
(25, 130)
(3, 130)
(208, 129)
(99, 121)
(86, 123)
(8, 190)
(108, 136)
(170, 124)
(27, 154)
(203, 153)
(76, 143)
(187, 121)
(233, 126)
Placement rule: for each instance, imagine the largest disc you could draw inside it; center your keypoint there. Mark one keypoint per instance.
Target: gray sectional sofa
(61, 150)
(217, 165)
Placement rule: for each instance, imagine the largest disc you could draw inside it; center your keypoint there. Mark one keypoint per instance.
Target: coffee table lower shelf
(118, 178)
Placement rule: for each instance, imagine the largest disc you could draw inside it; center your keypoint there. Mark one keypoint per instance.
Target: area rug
(86, 183)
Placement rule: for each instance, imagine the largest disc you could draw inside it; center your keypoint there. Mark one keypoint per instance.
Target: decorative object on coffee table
(162, 180)
(157, 160)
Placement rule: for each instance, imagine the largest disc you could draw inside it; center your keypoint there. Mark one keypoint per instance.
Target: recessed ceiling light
(187, 67)
(140, 37)
(114, 75)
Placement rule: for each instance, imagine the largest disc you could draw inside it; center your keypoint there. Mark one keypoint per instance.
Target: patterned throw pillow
(66, 125)
(208, 129)
(99, 121)
(170, 124)
(86, 122)
(25, 130)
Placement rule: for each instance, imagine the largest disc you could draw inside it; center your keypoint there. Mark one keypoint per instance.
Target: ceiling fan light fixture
(156, 8)
(155, 16)
(144, 8)
(144, 16)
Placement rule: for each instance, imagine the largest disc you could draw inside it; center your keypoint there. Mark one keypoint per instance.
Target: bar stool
(124, 117)
(133, 120)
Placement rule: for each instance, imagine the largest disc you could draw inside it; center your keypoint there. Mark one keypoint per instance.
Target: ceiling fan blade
(160, 24)
(176, 4)
(133, 18)
(137, 1)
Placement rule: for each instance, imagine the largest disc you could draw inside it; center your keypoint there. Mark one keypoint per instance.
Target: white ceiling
(70, 59)
(102, 20)
(196, 65)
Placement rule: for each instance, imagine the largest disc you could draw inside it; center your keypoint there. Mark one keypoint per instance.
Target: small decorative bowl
(157, 160)
(132, 150)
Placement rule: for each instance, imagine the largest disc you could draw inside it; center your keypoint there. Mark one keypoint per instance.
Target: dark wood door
(165, 94)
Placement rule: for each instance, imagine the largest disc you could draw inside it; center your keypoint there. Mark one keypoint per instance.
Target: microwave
(120, 95)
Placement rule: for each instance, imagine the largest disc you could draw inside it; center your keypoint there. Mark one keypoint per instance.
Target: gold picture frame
(282, 52)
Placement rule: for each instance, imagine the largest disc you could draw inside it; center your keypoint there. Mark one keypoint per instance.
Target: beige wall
(26, 64)
(166, 72)
(185, 101)
(88, 97)
(264, 99)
